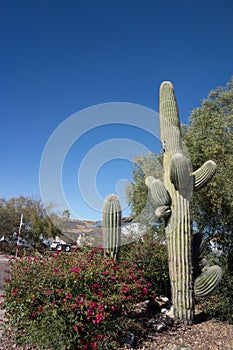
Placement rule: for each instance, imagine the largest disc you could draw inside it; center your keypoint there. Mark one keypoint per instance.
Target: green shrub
(10, 249)
(220, 306)
(151, 257)
(72, 301)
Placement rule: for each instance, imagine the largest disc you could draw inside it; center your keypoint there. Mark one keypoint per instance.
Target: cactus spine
(173, 201)
(112, 226)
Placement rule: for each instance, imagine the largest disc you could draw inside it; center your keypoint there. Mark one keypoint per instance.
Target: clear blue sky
(59, 57)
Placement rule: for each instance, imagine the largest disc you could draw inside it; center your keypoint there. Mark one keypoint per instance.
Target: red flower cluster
(85, 292)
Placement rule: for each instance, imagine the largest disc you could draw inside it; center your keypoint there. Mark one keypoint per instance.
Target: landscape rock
(129, 339)
(153, 305)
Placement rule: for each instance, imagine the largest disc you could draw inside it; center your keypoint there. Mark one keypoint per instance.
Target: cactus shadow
(200, 317)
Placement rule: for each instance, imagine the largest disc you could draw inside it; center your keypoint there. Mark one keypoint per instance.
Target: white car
(60, 247)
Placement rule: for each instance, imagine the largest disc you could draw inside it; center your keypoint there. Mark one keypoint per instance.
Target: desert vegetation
(87, 299)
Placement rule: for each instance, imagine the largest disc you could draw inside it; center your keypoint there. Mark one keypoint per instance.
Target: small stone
(167, 305)
(162, 298)
(169, 321)
(156, 326)
(161, 326)
(129, 338)
(172, 347)
(153, 305)
(152, 324)
(170, 313)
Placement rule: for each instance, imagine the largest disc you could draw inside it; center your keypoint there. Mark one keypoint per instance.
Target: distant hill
(90, 232)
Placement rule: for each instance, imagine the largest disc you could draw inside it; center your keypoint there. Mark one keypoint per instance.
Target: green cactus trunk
(111, 226)
(178, 183)
(172, 200)
(179, 238)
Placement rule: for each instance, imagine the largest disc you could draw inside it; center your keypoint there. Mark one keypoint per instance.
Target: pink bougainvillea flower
(14, 292)
(76, 269)
(68, 296)
(100, 307)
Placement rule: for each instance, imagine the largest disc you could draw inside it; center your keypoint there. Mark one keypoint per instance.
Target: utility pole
(17, 245)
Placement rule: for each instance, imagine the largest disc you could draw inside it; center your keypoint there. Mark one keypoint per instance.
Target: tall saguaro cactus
(112, 226)
(172, 199)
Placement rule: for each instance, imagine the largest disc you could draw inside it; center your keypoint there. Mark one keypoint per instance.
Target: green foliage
(138, 196)
(210, 135)
(72, 301)
(137, 193)
(36, 223)
(151, 257)
(66, 214)
(220, 306)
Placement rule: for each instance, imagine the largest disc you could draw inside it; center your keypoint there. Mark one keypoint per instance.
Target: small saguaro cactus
(172, 199)
(112, 226)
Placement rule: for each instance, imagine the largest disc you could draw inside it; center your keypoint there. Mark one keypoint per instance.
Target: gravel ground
(207, 335)
(203, 335)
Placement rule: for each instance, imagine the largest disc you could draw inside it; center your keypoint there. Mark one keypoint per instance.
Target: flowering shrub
(151, 257)
(72, 301)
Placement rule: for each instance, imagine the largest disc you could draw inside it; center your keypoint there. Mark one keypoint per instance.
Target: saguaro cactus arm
(204, 174)
(180, 171)
(208, 280)
(158, 192)
(198, 244)
(163, 212)
(160, 196)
